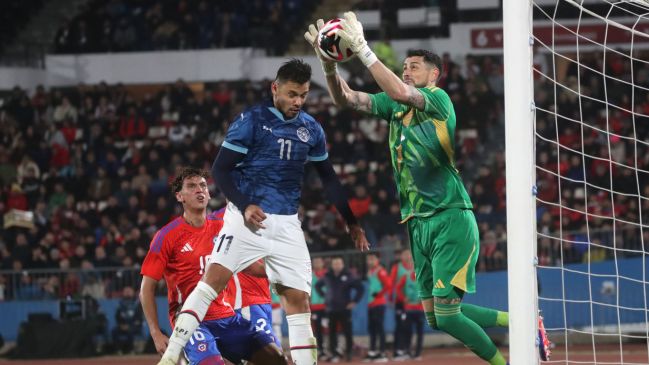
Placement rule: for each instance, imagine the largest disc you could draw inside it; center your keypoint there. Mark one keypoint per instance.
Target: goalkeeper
(434, 203)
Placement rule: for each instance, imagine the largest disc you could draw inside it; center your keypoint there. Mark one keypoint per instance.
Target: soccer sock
(451, 320)
(189, 318)
(304, 349)
(485, 317)
(430, 319)
(277, 329)
(277, 324)
(503, 319)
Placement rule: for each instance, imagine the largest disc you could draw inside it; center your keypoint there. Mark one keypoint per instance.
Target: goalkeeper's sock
(189, 318)
(450, 319)
(485, 317)
(430, 319)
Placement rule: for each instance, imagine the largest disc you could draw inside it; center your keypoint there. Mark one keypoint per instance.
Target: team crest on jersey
(303, 134)
(202, 347)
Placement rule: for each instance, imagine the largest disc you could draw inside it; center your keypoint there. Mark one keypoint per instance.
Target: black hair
(294, 70)
(185, 173)
(429, 57)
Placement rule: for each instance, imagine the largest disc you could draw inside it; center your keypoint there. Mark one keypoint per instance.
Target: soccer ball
(332, 47)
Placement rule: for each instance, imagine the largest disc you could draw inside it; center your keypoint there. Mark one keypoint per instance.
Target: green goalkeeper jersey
(422, 147)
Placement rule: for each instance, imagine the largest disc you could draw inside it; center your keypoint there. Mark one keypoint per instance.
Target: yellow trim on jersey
(459, 279)
(444, 139)
(407, 118)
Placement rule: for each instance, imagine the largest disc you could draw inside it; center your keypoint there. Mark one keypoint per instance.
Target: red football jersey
(244, 290)
(180, 253)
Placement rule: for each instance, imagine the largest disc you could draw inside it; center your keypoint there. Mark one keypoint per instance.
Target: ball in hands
(332, 46)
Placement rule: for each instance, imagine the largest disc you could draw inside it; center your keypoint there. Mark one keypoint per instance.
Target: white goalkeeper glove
(352, 32)
(311, 36)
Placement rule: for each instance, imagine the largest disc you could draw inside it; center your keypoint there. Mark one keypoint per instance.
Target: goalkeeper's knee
(430, 319)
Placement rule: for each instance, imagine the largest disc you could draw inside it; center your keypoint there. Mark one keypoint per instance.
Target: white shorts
(281, 244)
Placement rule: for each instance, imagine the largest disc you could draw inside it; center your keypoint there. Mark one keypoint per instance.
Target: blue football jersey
(276, 150)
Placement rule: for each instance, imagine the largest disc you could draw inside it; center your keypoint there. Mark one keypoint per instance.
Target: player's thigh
(289, 263)
(261, 316)
(238, 339)
(237, 245)
(455, 253)
(422, 234)
(201, 346)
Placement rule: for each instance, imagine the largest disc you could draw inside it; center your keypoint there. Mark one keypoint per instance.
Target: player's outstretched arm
(150, 309)
(336, 194)
(396, 89)
(339, 90)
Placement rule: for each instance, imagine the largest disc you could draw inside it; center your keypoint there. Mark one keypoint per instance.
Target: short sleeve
(319, 151)
(438, 103)
(156, 259)
(240, 134)
(382, 105)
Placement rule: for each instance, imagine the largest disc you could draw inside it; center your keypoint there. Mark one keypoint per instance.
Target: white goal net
(591, 132)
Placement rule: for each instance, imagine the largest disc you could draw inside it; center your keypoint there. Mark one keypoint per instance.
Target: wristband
(367, 56)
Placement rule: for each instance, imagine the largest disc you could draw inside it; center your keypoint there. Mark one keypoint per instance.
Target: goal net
(590, 185)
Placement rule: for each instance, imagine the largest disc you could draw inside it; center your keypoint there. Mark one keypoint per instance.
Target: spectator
(378, 288)
(341, 291)
(28, 289)
(65, 111)
(414, 316)
(318, 307)
(129, 321)
(398, 271)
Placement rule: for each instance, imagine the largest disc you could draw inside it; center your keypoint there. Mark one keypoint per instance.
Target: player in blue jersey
(260, 169)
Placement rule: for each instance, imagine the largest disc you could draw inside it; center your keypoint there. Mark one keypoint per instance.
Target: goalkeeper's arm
(396, 89)
(343, 95)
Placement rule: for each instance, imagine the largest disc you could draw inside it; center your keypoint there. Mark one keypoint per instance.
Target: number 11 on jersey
(284, 142)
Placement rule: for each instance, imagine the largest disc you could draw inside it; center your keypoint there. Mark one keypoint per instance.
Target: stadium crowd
(610, 179)
(145, 25)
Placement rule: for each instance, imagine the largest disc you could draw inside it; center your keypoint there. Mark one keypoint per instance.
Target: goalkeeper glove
(311, 36)
(352, 32)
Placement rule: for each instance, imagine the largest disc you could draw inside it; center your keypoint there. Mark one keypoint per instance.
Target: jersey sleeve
(240, 134)
(438, 103)
(319, 151)
(156, 259)
(382, 105)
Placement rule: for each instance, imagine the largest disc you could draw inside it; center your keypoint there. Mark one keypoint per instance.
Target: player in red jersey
(407, 290)
(378, 287)
(249, 293)
(180, 252)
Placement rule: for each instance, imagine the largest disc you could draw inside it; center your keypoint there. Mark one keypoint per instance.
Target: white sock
(189, 318)
(304, 349)
(277, 329)
(278, 318)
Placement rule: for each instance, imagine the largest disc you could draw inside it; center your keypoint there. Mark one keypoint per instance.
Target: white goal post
(519, 149)
(577, 99)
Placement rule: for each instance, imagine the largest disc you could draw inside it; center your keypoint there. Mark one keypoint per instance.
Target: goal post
(577, 152)
(520, 173)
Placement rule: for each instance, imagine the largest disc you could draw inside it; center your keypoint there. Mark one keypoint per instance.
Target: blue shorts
(234, 338)
(261, 315)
